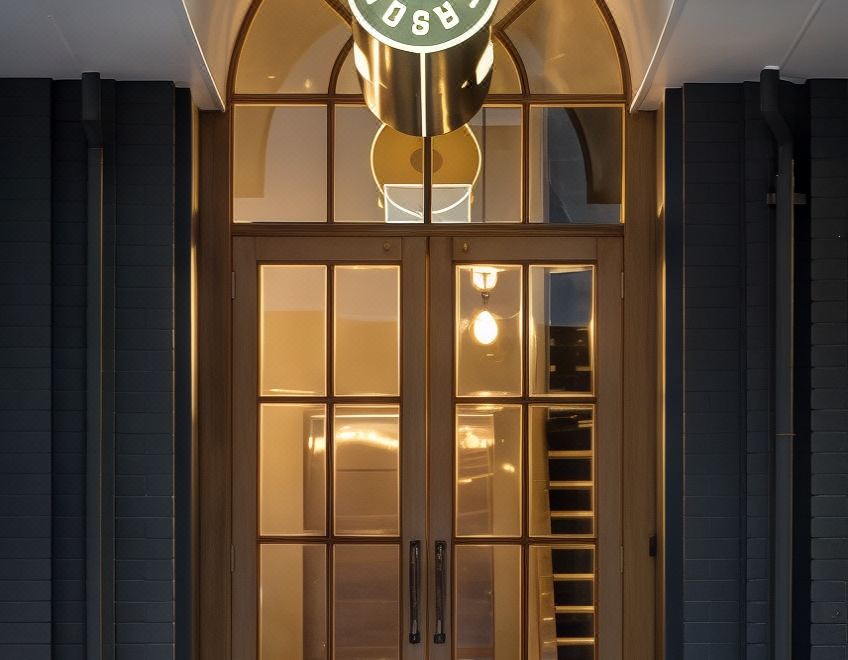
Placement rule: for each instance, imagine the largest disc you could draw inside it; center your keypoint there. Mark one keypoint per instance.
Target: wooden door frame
(642, 450)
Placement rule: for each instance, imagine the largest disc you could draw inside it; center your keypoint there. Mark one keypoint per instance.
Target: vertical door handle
(414, 591)
(441, 558)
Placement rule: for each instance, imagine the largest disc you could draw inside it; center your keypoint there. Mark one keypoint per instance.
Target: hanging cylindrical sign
(425, 65)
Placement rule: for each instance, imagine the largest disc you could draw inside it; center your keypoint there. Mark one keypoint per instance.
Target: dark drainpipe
(784, 379)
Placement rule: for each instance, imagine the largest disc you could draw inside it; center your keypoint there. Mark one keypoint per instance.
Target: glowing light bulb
(484, 328)
(484, 278)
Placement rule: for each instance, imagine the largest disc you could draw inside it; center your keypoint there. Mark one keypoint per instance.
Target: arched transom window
(546, 148)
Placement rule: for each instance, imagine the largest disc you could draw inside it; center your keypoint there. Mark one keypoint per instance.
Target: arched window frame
(526, 99)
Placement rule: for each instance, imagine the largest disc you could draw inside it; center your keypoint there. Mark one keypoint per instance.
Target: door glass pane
(488, 470)
(292, 602)
(488, 602)
(367, 317)
(293, 333)
(292, 470)
(576, 164)
(505, 78)
(489, 302)
(366, 607)
(561, 603)
(367, 470)
(280, 164)
(561, 471)
(562, 306)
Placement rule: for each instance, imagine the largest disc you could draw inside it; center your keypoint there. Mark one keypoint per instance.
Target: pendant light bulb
(484, 328)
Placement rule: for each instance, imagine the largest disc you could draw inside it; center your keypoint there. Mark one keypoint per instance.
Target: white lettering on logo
(394, 14)
(447, 15)
(420, 23)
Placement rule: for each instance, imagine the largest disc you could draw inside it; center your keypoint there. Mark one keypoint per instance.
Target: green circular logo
(423, 26)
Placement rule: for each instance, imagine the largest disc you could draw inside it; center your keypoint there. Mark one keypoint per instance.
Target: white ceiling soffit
(120, 39)
(733, 40)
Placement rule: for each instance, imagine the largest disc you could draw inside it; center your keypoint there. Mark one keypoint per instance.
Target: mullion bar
(330, 449)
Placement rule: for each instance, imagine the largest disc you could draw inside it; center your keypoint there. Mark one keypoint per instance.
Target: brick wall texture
(43, 252)
(729, 168)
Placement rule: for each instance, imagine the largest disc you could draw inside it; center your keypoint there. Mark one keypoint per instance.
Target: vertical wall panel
(144, 544)
(69, 375)
(25, 370)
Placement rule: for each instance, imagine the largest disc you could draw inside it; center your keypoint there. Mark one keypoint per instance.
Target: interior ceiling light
(425, 66)
(484, 326)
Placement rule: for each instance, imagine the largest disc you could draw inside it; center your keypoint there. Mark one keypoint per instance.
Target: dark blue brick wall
(25, 370)
(144, 543)
(829, 368)
(43, 271)
(728, 169)
(713, 585)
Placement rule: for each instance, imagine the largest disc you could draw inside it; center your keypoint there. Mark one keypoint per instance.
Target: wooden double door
(427, 448)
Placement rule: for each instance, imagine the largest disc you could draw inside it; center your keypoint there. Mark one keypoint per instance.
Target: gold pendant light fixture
(425, 66)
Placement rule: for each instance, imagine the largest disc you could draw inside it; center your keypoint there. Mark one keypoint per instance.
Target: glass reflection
(488, 602)
(561, 603)
(293, 330)
(292, 602)
(292, 470)
(488, 470)
(367, 336)
(366, 602)
(561, 471)
(366, 443)
(489, 302)
(280, 164)
(576, 162)
(562, 307)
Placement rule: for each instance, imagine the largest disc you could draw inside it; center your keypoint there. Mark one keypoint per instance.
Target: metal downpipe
(784, 377)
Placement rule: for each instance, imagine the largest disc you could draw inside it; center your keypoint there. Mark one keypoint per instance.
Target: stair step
(559, 515)
(559, 453)
(575, 641)
(570, 485)
(573, 577)
(574, 609)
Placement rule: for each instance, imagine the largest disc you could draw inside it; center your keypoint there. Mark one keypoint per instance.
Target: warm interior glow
(484, 328)
(484, 278)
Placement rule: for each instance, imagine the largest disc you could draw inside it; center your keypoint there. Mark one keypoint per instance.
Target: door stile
(441, 415)
(609, 448)
(414, 433)
(245, 442)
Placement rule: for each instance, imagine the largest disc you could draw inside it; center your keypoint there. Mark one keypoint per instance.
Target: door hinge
(622, 285)
(652, 545)
(232, 559)
(621, 559)
(233, 285)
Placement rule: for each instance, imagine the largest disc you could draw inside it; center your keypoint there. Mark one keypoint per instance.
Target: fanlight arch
(550, 139)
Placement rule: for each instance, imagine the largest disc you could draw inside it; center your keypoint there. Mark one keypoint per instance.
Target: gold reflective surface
(562, 304)
(497, 194)
(488, 470)
(280, 163)
(489, 303)
(367, 330)
(292, 470)
(366, 602)
(366, 443)
(488, 602)
(562, 471)
(293, 330)
(292, 602)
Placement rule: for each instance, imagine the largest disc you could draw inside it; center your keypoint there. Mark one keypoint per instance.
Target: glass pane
(504, 7)
(367, 470)
(292, 470)
(488, 470)
(477, 169)
(488, 602)
(367, 602)
(373, 165)
(488, 330)
(367, 316)
(576, 161)
(290, 49)
(292, 602)
(561, 471)
(561, 603)
(567, 48)
(280, 164)
(505, 79)
(293, 333)
(348, 82)
(562, 306)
